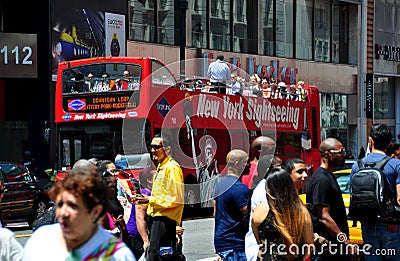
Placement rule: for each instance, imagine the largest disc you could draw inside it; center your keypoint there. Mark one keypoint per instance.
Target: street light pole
(362, 137)
(182, 7)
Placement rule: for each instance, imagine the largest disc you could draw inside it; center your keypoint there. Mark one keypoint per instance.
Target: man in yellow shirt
(165, 205)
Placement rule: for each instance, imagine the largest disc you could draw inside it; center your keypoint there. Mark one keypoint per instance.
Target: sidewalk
(208, 259)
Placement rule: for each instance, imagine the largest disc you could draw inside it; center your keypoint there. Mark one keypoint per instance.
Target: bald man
(84, 166)
(262, 145)
(230, 204)
(325, 198)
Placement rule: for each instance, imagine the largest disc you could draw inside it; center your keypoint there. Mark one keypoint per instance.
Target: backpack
(371, 198)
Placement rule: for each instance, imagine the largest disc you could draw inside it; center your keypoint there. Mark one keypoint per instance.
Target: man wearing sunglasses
(165, 205)
(325, 200)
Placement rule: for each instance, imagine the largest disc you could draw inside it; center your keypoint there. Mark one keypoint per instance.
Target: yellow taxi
(343, 178)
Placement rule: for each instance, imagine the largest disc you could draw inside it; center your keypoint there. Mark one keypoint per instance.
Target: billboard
(86, 29)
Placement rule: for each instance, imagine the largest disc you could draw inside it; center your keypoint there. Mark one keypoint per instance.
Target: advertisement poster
(114, 25)
(79, 32)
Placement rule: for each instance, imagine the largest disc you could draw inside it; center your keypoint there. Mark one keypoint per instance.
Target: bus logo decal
(163, 107)
(66, 117)
(132, 114)
(77, 105)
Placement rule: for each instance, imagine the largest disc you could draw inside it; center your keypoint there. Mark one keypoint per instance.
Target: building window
(350, 55)
(141, 21)
(240, 27)
(383, 98)
(165, 18)
(284, 28)
(268, 27)
(304, 28)
(220, 35)
(322, 30)
(336, 17)
(145, 15)
(199, 23)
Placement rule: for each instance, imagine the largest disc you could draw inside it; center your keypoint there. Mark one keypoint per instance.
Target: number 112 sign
(18, 55)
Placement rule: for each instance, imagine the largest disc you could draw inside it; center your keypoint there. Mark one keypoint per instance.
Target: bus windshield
(102, 77)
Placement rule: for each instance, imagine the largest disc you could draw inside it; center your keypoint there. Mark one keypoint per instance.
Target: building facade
(316, 41)
(385, 76)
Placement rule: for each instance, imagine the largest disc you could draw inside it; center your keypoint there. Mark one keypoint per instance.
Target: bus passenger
(106, 84)
(302, 93)
(266, 88)
(293, 95)
(282, 90)
(124, 83)
(89, 83)
(236, 87)
(219, 73)
(79, 83)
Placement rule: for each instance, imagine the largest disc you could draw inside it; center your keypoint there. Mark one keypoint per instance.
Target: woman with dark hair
(113, 220)
(81, 200)
(282, 224)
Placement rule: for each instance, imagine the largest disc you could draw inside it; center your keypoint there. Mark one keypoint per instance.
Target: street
(197, 238)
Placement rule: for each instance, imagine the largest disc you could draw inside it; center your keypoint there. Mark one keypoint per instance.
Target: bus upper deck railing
(250, 89)
(246, 89)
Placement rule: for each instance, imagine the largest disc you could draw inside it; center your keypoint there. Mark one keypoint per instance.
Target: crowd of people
(221, 80)
(90, 222)
(89, 83)
(276, 217)
(257, 209)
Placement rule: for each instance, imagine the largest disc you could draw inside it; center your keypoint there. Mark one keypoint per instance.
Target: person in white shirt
(219, 73)
(258, 196)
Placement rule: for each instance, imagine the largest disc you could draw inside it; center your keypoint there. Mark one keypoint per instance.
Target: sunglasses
(342, 151)
(110, 172)
(156, 146)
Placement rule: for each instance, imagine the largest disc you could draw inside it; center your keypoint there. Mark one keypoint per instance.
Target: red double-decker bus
(115, 115)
